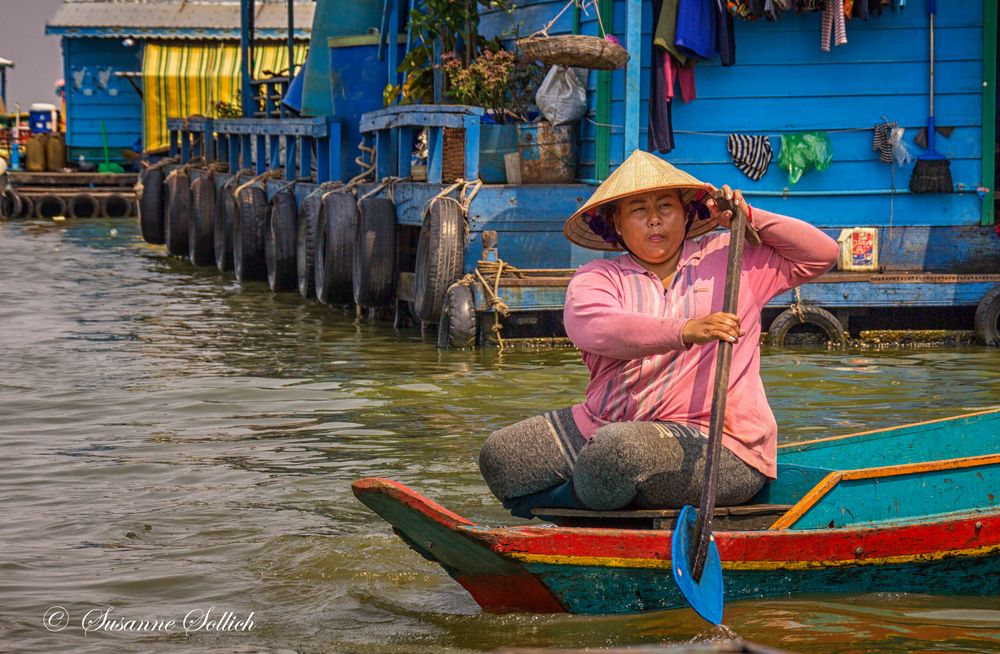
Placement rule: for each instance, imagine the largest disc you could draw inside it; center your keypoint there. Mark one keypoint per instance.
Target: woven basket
(576, 50)
(453, 154)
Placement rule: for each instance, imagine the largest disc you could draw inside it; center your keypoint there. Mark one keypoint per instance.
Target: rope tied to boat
(797, 306)
(266, 175)
(328, 188)
(387, 182)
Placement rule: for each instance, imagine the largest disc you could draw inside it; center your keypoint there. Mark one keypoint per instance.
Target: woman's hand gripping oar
(695, 561)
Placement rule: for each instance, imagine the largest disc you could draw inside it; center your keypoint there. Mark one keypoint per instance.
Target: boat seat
(734, 518)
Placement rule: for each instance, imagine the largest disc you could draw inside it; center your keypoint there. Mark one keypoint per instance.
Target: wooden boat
(906, 509)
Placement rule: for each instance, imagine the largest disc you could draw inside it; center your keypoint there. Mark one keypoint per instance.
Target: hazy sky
(37, 58)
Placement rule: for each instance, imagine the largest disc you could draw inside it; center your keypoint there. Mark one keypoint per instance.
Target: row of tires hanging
(333, 245)
(17, 204)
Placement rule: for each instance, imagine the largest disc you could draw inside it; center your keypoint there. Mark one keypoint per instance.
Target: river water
(172, 445)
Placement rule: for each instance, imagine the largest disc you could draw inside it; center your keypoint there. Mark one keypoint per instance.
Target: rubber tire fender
(440, 257)
(279, 243)
(11, 205)
(987, 321)
(457, 324)
(334, 252)
(201, 225)
(178, 209)
(116, 205)
(305, 243)
(27, 207)
(83, 205)
(813, 315)
(50, 205)
(248, 233)
(226, 209)
(374, 278)
(151, 196)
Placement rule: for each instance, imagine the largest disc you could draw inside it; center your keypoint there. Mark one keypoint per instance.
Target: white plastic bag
(562, 97)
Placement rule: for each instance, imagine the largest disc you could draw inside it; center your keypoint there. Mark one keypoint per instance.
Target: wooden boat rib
(924, 526)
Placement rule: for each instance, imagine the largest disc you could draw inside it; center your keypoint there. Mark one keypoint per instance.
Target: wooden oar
(698, 571)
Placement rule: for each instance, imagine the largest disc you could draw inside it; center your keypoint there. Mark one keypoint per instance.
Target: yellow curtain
(187, 78)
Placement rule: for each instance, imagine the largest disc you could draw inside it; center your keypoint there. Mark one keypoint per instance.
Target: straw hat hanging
(640, 173)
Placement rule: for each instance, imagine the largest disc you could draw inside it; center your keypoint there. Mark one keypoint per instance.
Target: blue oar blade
(704, 596)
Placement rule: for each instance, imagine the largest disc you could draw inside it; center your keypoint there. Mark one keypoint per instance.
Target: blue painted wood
(471, 126)
(334, 145)
(917, 443)
(899, 497)
(316, 127)
(887, 295)
(605, 590)
(418, 115)
(114, 102)
(290, 156)
(635, 44)
(793, 482)
(403, 153)
(383, 165)
(260, 160)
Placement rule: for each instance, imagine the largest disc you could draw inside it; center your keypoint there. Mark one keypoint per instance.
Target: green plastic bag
(802, 151)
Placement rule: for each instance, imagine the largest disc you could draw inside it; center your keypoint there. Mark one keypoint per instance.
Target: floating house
(823, 126)
(128, 64)
(4, 65)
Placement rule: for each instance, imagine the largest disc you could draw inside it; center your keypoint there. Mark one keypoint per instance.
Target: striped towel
(751, 154)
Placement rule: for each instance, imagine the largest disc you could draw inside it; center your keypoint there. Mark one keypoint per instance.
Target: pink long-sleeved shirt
(630, 331)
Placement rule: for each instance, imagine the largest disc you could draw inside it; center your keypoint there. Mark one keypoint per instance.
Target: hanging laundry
(882, 141)
(740, 9)
(696, 27)
(725, 36)
(673, 74)
(665, 34)
(660, 131)
(773, 9)
(832, 18)
(751, 154)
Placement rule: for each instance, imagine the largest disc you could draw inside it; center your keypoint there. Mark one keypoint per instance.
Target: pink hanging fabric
(832, 19)
(674, 73)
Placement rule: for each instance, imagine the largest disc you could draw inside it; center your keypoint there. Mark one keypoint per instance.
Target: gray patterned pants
(645, 464)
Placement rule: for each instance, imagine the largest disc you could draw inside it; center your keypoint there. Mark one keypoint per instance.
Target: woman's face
(652, 225)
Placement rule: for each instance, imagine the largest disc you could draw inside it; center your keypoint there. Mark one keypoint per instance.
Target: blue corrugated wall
(782, 82)
(89, 102)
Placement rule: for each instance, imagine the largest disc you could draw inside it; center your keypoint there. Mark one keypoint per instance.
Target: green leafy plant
(456, 24)
(225, 109)
(496, 80)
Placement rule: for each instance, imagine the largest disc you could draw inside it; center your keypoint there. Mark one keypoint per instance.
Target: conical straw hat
(640, 173)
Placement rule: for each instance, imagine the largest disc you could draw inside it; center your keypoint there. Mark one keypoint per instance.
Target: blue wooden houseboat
(130, 64)
(488, 261)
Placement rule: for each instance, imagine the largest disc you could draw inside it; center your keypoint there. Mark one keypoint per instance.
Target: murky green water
(170, 442)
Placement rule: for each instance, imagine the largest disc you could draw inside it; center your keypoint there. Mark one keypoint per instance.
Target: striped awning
(185, 78)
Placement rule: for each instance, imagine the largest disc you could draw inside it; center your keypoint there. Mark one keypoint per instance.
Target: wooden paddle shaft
(719, 395)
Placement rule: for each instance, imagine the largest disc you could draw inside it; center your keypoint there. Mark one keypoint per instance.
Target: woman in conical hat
(648, 323)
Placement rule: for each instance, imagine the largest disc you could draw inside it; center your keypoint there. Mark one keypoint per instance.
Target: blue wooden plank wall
(782, 82)
(94, 94)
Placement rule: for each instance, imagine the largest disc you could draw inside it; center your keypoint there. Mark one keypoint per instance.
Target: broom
(932, 173)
